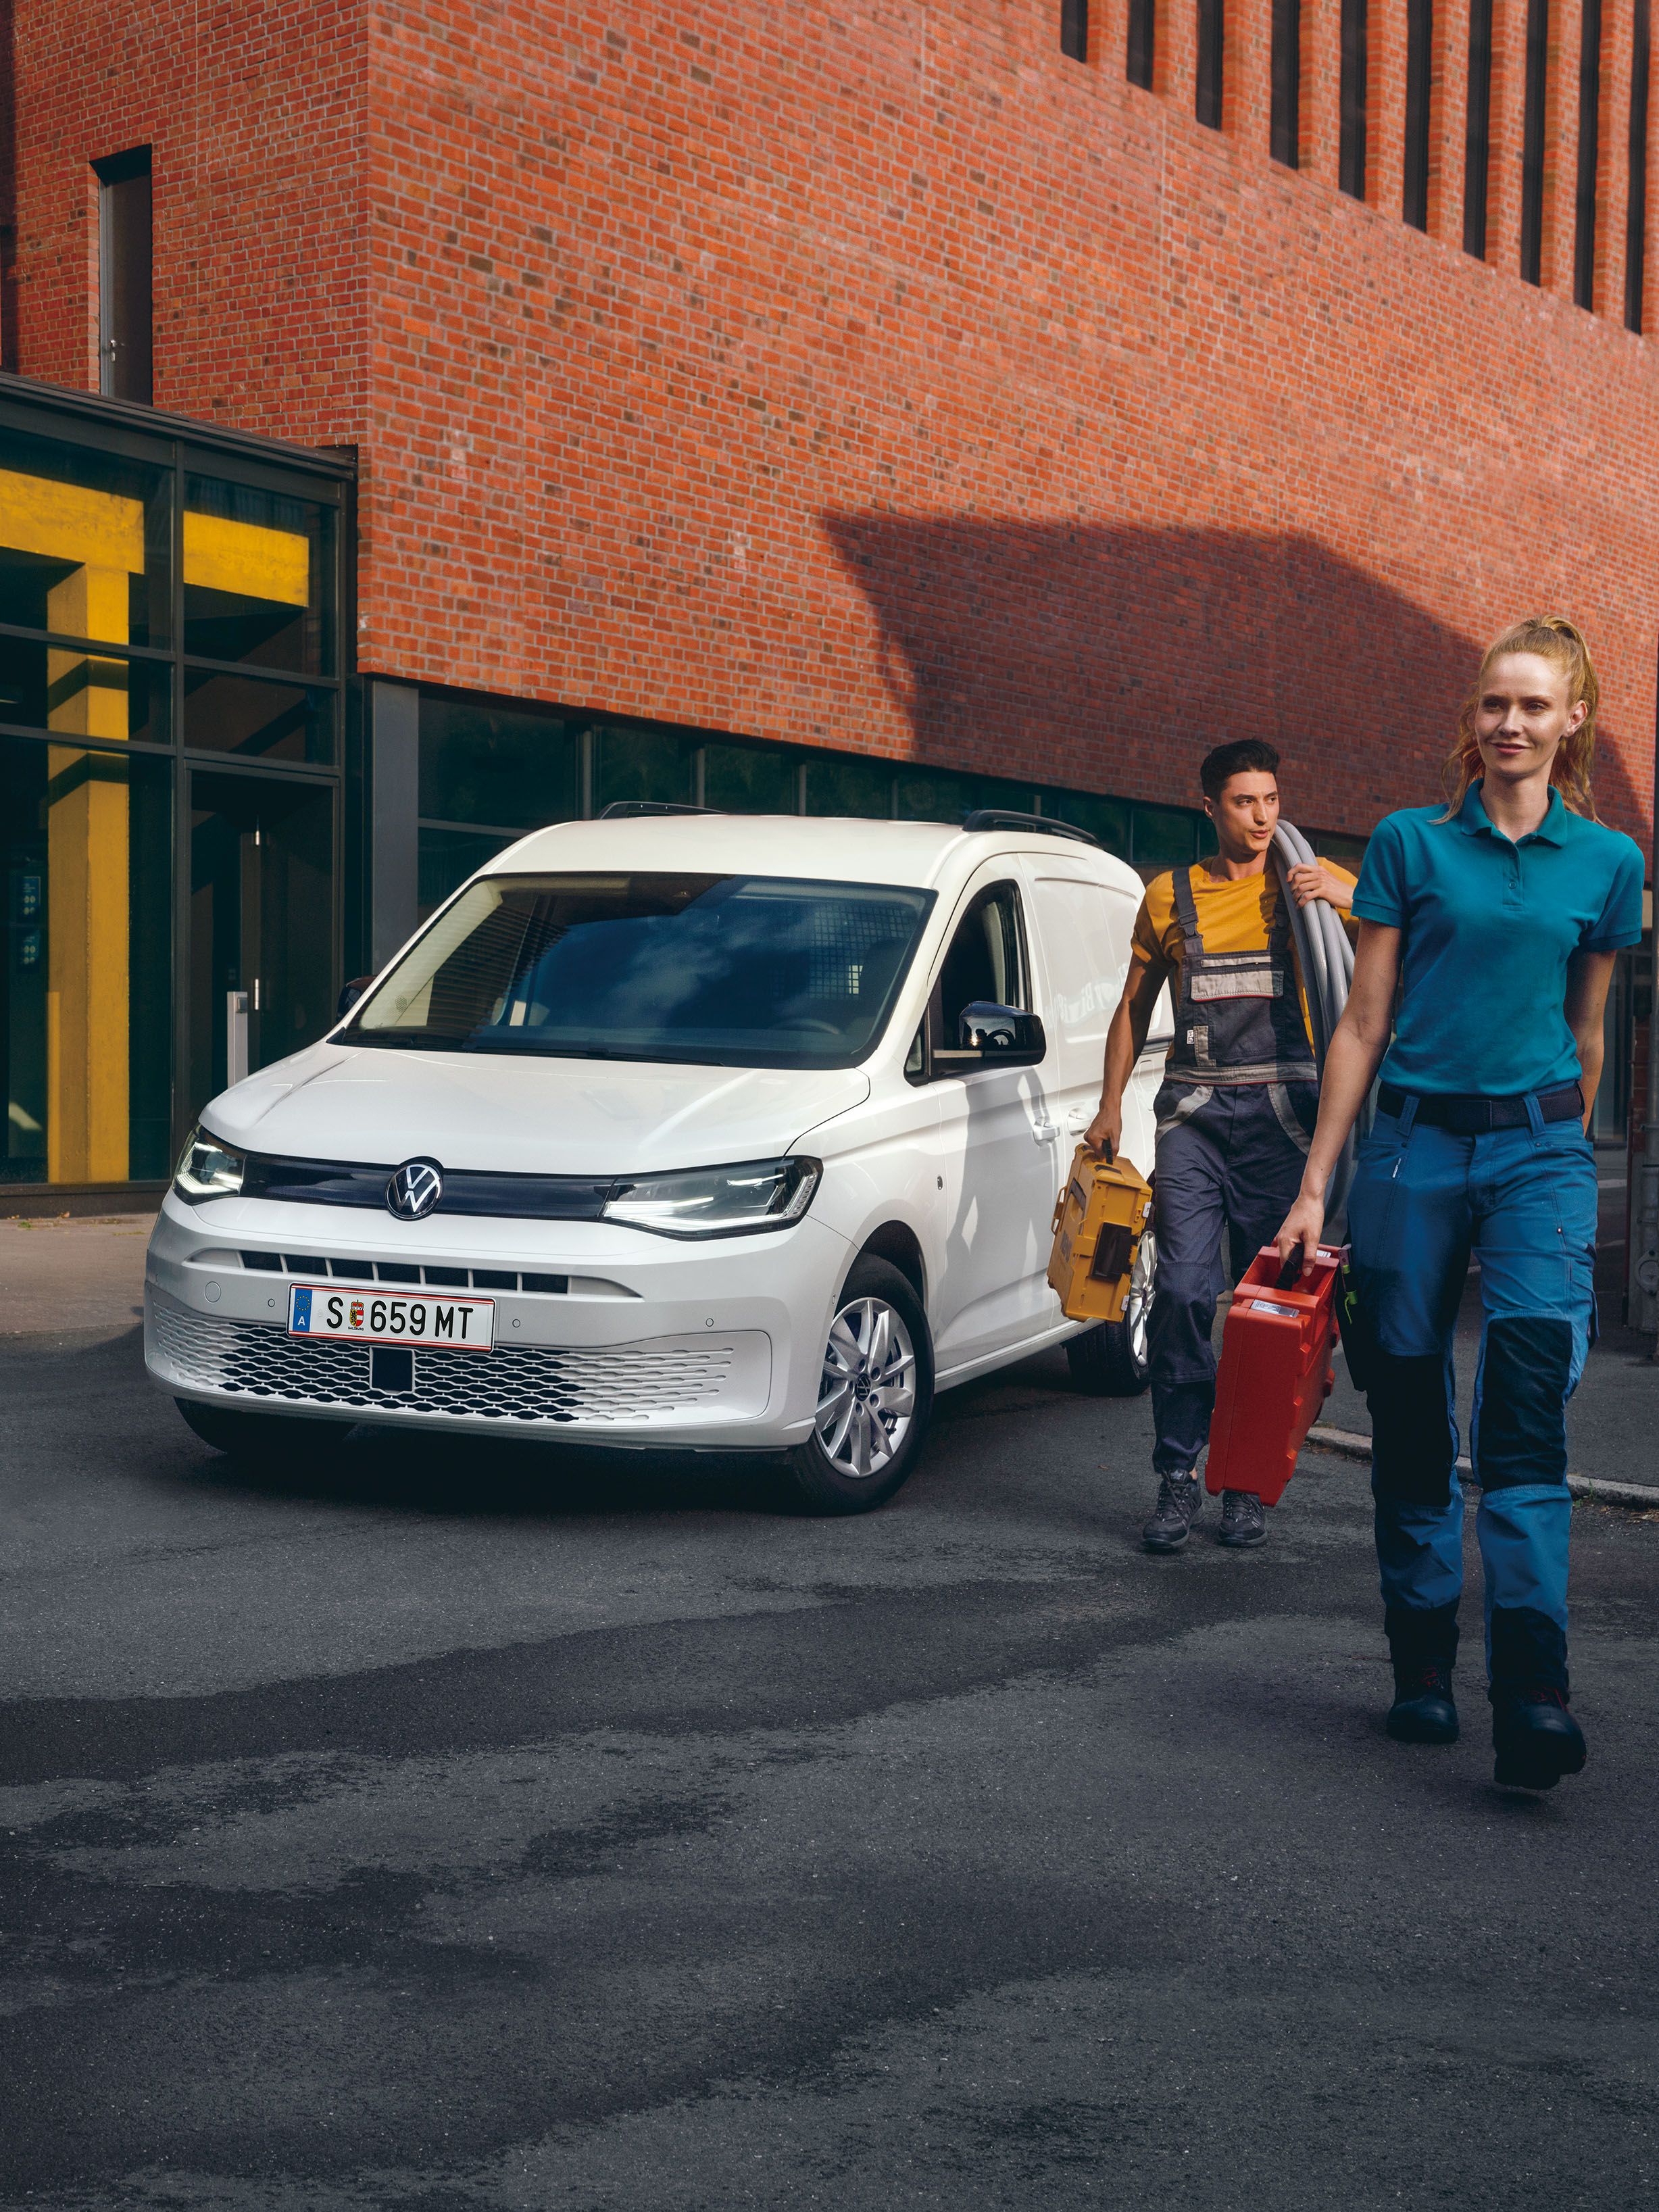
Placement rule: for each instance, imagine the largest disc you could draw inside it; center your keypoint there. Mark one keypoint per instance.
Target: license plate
(380, 1317)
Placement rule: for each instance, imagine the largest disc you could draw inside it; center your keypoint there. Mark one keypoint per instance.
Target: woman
(1498, 918)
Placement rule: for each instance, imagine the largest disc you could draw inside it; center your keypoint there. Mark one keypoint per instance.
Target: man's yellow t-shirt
(1235, 913)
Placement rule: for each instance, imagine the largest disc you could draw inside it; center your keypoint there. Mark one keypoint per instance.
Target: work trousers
(1230, 1158)
(1523, 1201)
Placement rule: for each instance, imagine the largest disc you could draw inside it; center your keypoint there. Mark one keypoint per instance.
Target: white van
(683, 1129)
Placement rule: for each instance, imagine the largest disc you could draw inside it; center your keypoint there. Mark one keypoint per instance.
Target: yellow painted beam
(87, 936)
(248, 559)
(67, 522)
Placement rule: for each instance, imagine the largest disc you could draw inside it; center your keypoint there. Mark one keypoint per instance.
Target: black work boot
(1422, 1646)
(1534, 1737)
(1243, 1520)
(1179, 1498)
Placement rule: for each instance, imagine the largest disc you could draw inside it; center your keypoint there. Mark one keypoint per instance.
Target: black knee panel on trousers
(1410, 1429)
(1523, 1400)
(1418, 1633)
(1529, 1651)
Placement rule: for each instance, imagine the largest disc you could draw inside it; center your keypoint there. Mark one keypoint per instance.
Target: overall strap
(1181, 883)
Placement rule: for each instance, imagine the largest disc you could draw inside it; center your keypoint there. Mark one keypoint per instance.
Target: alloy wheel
(867, 1398)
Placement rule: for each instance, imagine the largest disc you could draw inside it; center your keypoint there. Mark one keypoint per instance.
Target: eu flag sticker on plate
(300, 1320)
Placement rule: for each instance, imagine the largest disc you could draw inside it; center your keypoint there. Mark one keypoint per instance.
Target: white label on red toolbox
(373, 1316)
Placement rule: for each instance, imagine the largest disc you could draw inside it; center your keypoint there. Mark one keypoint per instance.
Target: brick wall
(873, 375)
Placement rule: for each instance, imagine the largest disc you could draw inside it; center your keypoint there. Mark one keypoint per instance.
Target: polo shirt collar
(1473, 820)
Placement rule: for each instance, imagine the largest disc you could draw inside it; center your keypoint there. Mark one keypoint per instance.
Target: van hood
(485, 1114)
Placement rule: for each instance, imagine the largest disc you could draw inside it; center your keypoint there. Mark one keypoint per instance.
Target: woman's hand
(1303, 1225)
(1105, 1133)
(1310, 883)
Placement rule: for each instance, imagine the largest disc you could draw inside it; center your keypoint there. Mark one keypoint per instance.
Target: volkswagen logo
(415, 1189)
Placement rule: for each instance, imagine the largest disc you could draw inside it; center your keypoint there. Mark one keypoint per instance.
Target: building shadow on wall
(1113, 658)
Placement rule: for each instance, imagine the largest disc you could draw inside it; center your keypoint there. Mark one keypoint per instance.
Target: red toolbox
(1274, 1374)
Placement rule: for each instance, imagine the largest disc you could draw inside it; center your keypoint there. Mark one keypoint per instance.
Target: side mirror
(1002, 1034)
(351, 994)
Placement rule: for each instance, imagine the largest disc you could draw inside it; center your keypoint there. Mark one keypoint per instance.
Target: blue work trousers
(1523, 1200)
(1230, 1160)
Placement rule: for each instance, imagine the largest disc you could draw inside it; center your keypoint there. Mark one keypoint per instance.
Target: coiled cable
(1325, 958)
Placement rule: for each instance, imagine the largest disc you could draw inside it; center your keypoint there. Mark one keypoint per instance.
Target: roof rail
(999, 817)
(626, 810)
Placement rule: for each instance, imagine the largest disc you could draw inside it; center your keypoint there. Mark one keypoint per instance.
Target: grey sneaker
(1244, 1522)
(1179, 1498)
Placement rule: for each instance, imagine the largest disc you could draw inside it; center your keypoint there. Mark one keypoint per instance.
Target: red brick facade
(873, 375)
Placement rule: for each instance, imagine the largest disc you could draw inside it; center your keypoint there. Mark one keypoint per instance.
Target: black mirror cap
(1001, 1033)
(349, 994)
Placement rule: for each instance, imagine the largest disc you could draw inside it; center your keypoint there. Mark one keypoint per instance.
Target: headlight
(718, 1201)
(208, 1168)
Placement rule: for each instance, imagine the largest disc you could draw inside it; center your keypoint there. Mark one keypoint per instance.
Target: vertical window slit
(1477, 141)
(1532, 141)
(1351, 157)
(1211, 52)
(1636, 224)
(1142, 55)
(1285, 125)
(1075, 29)
(125, 312)
(1590, 155)
(1419, 92)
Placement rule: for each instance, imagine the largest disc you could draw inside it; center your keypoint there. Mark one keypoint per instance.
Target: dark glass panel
(258, 577)
(447, 858)
(507, 765)
(1284, 117)
(85, 542)
(1141, 50)
(1166, 837)
(1075, 29)
(1477, 135)
(1355, 98)
(1209, 99)
(86, 981)
(263, 720)
(84, 694)
(261, 919)
(1105, 819)
(749, 779)
(931, 795)
(642, 764)
(838, 784)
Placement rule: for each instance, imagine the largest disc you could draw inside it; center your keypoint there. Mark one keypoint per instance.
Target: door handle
(1078, 1120)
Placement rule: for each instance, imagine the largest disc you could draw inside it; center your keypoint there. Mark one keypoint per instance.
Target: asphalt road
(448, 1829)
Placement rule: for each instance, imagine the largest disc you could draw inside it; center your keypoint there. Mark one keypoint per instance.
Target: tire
(256, 1436)
(1111, 1360)
(878, 1307)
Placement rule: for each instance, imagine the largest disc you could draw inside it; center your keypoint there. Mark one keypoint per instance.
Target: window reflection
(262, 720)
(257, 572)
(84, 543)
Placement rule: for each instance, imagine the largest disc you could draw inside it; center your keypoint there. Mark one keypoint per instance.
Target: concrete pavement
(480, 1826)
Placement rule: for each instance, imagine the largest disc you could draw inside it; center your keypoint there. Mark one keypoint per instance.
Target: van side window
(987, 960)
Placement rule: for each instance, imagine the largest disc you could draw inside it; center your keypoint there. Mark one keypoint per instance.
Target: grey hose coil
(1327, 962)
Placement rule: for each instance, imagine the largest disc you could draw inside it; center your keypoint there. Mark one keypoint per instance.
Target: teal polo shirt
(1489, 929)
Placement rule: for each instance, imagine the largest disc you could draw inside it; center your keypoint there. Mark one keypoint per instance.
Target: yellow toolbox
(1098, 1220)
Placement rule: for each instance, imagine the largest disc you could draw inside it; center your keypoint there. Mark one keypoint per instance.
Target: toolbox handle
(1290, 1273)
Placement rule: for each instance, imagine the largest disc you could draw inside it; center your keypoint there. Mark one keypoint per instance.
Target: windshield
(732, 971)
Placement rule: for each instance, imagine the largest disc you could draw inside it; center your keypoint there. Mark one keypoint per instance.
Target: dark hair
(1244, 756)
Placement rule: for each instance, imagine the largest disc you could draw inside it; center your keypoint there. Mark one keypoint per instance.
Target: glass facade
(489, 771)
(169, 608)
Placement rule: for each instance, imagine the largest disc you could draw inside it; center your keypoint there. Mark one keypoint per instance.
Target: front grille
(404, 1271)
(346, 1182)
(514, 1383)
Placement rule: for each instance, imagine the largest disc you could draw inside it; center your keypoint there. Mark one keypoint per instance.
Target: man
(1236, 1109)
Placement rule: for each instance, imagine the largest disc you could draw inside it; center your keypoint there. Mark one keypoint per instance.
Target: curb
(1353, 1446)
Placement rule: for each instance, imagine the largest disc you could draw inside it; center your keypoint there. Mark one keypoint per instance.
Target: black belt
(1466, 1113)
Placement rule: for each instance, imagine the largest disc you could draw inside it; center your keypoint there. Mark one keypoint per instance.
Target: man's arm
(1356, 1052)
(1125, 1040)
(1588, 975)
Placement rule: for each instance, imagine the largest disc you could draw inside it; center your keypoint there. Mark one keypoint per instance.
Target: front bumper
(603, 1333)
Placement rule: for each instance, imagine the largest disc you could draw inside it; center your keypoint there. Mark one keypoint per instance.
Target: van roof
(827, 846)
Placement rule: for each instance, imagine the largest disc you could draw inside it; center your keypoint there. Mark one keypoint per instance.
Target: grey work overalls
(1235, 1115)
